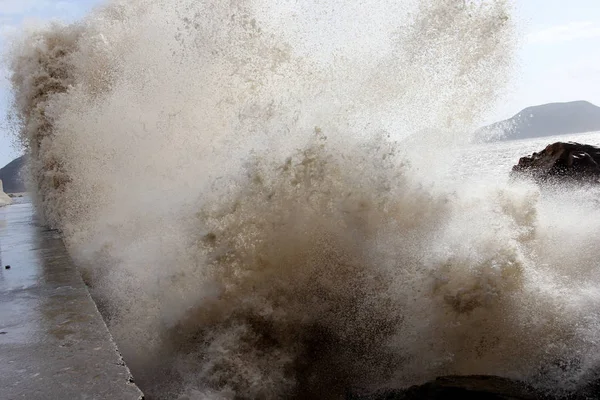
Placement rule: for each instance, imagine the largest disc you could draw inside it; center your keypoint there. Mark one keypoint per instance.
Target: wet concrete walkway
(53, 341)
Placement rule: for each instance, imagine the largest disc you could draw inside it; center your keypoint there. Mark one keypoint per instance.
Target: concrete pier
(53, 341)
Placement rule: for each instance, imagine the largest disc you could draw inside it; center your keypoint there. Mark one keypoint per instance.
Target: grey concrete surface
(53, 341)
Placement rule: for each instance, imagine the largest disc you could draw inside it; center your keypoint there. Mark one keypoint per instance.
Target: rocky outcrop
(12, 175)
(562, 162)
(480, 387)
(4, 198)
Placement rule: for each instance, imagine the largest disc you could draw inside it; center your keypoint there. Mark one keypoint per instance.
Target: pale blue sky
(13, 14)
(559, 57)
(560, 53)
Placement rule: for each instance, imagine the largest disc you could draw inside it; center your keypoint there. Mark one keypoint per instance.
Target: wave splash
(250, 190)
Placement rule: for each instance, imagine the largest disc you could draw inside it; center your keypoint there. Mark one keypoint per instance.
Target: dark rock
(7, 267)
(480, 387)
(562, 162)
(12, 175)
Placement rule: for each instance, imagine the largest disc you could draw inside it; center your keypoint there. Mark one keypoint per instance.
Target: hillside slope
(12, 177)
(545, 120)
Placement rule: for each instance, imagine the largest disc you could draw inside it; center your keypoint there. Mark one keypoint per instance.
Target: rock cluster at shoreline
(477, 387)
(484, 387)
(560, 161)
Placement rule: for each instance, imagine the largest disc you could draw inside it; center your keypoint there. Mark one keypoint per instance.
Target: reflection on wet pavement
(53, 342)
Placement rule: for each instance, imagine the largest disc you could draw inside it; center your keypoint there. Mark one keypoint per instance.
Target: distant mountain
(545, 120)
(11, 176)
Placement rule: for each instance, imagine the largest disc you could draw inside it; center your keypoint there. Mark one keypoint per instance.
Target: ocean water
(492, 161)
(280, 201)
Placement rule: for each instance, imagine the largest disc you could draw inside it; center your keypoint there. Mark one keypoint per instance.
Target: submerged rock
(562, 162)
(482, 387)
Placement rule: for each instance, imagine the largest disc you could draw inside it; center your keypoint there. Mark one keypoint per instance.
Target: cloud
(565, 33)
